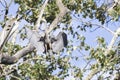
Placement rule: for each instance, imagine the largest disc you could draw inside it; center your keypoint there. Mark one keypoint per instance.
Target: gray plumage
(59, 42)
(34, 38)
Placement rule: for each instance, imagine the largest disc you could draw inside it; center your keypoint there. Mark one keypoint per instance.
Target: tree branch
(99, 26)
(24, 51)
(110, 46)
(93, 72)
(9, 72)
(40, 15)
(63, 11)
(6, 59)
(2, 3)
(9, 26)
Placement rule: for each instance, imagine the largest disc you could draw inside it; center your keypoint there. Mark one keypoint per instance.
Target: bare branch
(112, 42)
(7, 8)
(2, 4)
(63, 11)
(6, 59)
(14, 36)
(110, 46)
(10, 24)
(5, 2)
(24, 51)
(105, 28)
(40, 15)
(99, 26)
(10, 3)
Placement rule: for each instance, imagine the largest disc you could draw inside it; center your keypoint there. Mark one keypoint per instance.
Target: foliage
(59, 65)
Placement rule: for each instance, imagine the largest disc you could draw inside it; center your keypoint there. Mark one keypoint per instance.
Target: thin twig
(99, 26)
(105, 28)
(10, 3)
(2, 4)
(5, 2)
